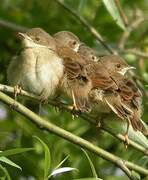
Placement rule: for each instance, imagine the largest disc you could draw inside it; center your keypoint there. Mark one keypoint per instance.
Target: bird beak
(23, 36)
(124, 70)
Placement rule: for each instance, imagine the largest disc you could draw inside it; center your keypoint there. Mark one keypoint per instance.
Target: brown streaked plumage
(76, 82)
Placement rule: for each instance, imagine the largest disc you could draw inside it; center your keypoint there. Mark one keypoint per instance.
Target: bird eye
(74, 43)
(37, 38)
(118, 65)
(93, 57)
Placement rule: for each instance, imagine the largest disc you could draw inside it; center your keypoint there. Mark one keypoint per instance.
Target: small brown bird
(37, 68)
(131, 101)
(68, 39)
(124, 99)
(75, 82)
(126, 102)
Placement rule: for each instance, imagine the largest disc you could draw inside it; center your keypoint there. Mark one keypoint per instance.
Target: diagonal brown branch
(136, 146)
(91, 29)
(12, 26)
(122, 164)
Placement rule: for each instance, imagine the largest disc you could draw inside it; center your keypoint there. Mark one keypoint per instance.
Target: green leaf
(113, 10)
(5, 172)
(89, 179)
(47, 158)
(62, 170)
(15, 151)
(62, 162)
(91, 164)
(8, 161)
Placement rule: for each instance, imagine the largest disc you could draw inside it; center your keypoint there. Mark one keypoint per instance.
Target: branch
(12, 26)
(132, 26)
(124, 165)
(138, 147)
(122, 14)
(136, 52)
(91, 29)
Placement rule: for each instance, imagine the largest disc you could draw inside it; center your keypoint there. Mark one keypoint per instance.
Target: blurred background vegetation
(16, 132)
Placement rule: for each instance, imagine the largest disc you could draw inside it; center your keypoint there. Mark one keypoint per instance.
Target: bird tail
(138, 124)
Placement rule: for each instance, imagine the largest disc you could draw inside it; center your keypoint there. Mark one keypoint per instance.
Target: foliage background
(15, 131)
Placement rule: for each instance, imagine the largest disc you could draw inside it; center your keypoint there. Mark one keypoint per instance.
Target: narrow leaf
(89, 179)
(5, 172)
(15, 151)
(47, 160)
(62, 162)
(113, 10)
(8, 161)
(63, 170)
(91, 164)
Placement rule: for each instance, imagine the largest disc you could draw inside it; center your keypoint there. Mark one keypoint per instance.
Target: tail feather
(137, 124)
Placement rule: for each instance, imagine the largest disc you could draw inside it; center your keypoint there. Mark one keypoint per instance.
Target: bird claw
(126, 140)
(17, 91)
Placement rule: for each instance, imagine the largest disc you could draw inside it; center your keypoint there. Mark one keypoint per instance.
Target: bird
(126, 102)
(37, 68)
(124, 99)
(75, 83)
(68, 39)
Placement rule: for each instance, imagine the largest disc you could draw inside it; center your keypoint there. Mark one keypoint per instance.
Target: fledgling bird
(67, 39)
(37, 68)
(125, 100)
(75, 83)
(129, 107)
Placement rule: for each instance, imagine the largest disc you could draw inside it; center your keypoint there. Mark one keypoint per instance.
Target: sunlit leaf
(8, 161)
(47, 160)
(63, 170)
(113, 10)
(62, 162)
(89, 179)
(91, 164)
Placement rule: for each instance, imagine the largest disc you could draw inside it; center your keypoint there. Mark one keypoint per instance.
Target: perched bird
(68, 39)
(130, 101)
(75, 83)
(124, 99)
(37, 68)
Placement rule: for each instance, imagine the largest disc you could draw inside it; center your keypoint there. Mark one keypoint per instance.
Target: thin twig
(136, 52)
(12, 26)
(122, 14)
(91, 29)
(122, 164)
(8, 89)
(132, 26)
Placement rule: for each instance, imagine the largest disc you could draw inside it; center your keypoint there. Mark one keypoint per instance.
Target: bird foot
(17, 91)
(98, 123)
(126, 140)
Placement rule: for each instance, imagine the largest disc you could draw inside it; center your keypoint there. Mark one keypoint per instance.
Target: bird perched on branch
(37, 68)
(124, 98)
(126, 102)
(75, 82)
